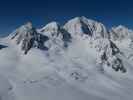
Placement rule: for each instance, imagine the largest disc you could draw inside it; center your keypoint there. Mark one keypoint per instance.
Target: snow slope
(5, 89)
(81, 62)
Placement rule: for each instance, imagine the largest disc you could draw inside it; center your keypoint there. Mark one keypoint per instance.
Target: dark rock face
(2, 46)
(33, 39)
(109, 55)
(66, 37)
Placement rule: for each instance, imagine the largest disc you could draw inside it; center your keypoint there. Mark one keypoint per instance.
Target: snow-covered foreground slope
(5, 89)
(81, 62)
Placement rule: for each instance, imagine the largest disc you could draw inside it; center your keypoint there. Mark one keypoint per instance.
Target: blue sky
(14, 13)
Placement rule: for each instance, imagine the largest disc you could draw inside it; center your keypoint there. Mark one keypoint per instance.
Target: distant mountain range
(81, 60)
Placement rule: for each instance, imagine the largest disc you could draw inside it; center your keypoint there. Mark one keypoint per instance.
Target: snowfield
(81, 60)
(6, 92)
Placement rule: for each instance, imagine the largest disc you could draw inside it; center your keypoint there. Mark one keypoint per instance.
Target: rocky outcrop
(27, 37)
(109, 55)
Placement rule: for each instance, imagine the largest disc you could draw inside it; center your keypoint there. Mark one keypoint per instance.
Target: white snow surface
(61, 73)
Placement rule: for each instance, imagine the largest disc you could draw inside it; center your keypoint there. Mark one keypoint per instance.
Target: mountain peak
(81, 18)
(120, 27)
(76, 26)
(28, 25)
(120, 32)
(83, 26)
(52, 26)
(56, 33)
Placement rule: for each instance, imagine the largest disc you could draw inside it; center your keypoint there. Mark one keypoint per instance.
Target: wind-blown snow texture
(81, 60)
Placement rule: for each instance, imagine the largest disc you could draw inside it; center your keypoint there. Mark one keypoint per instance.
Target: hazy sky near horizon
(14, 13)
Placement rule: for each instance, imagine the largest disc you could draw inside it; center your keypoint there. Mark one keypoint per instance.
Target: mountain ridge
(54, 37)
(81, 57)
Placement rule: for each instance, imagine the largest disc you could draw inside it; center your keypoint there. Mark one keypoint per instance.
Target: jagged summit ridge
(56, 33)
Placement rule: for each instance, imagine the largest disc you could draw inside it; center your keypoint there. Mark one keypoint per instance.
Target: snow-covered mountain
(82, 25)
(57, 35)
(123, 38)
(120, 33)
(80, 60)
(27, 37)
